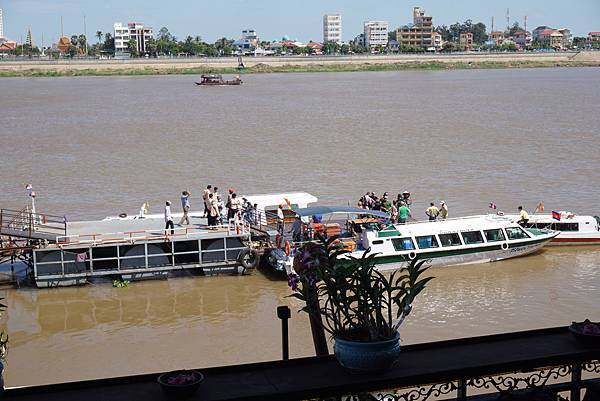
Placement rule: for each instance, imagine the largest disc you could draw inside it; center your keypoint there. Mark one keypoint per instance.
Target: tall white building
(332, 28)
(1, 24)
(123, 34)
(376, 34)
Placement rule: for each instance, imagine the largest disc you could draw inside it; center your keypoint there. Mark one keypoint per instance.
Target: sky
(273, 19)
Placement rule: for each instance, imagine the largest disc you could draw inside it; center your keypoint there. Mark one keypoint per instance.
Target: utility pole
(62, 32)
(85, 35)
(525, 23)
(507, 19)
(492, 24)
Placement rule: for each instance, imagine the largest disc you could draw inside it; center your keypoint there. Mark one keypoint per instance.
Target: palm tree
(99, 36)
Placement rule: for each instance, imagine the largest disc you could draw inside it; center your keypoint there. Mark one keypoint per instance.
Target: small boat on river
(573, 229)
(458, 241)
(217, 80)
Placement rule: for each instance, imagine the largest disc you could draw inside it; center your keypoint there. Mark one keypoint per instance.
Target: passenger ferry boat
(464, 240)
(573, 229)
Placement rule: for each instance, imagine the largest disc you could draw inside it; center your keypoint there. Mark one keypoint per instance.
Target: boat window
(427, 241)
(494, 235)
(565, 226)
(378, 242)
(403, 244)
(452, 239)
(516, 233)
(472, 237)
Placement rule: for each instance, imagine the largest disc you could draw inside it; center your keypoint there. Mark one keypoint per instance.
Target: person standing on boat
(443, 210)
(205, 194)
(280, 219)
(296, 230)
(234, 206)
(403, 213)
(213, 210)
(185, 205)
(394, 211)
(386, 205)
(432, 212)
(169, 218)
(523, 216)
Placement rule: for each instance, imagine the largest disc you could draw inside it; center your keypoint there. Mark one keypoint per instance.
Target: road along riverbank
(229, 65)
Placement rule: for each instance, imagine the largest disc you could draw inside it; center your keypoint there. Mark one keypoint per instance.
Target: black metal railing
(548, 364)
(24, 223)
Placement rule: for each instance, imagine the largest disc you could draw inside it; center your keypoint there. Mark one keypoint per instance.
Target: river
(97, 146)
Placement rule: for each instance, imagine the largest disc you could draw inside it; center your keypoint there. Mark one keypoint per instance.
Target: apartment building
(332, 28)
(593, 37)
(419, 33)
(437, 41)
(136, 31)
(497, 37)
(522, 38)
(466, 41)
(1, 24)
(376, 34)
(551, 38)
(250, 36)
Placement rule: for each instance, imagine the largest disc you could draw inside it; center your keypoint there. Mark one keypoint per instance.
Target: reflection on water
(468, 137)
(97, 331)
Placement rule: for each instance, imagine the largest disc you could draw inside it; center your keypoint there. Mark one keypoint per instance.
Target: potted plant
(359, 306)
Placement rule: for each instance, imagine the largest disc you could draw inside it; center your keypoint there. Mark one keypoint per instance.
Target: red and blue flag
(555, 215)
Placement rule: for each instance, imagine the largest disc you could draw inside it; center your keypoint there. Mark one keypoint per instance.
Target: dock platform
(133, 249)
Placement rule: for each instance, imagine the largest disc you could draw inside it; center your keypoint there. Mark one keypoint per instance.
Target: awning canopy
(320, 210)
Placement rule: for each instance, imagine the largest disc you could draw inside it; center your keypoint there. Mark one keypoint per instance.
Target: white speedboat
(573, 229)
(464, 240)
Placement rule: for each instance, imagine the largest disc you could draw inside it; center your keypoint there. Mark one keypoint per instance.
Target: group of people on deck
(216, 210)
(399, 208)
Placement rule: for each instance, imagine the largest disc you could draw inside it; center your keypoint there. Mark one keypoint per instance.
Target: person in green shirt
(403, 213)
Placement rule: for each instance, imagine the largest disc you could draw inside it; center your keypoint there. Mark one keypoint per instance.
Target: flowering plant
(355, 301)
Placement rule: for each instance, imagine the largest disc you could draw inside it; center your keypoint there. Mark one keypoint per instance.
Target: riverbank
(47, 68)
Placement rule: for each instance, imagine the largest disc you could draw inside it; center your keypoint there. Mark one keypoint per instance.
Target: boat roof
(320, 210)
(565, 217)
(294, 198)
(459, 224)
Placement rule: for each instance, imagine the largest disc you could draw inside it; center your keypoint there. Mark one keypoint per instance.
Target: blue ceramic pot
(367, 356)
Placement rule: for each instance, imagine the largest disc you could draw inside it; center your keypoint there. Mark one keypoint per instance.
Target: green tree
(109, 43)
(72, 51)
(345, 49)
(514, 29)
(163, 34)
(132, 48)
(331, 48)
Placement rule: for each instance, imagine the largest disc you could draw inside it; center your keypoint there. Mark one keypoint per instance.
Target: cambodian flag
(555, 215)
(493, 205)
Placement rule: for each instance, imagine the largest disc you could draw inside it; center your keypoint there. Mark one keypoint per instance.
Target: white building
(1, 24)
(332, 28)
(123, 34)
(250, 35)
(376, 34)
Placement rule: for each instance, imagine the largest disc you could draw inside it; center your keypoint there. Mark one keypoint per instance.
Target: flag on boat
(288, 203)
(81, 257)
(556, 215)
(540, 207)
(493, 205)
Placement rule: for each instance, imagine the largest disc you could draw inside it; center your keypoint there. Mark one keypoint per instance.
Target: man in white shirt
(523, 216)
(168, 218)
(280, 219)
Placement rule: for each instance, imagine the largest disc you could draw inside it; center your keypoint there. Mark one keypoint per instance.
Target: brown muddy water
(100, 146)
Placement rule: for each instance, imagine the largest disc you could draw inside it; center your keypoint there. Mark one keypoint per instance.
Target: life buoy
(287, 248)
(504, 246)
(248, 259)
(412, 255)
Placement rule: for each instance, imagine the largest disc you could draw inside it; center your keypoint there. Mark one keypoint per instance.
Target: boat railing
(26, 223)
(92, 239)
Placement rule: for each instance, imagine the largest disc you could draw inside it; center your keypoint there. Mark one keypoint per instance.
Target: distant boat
(214, 80)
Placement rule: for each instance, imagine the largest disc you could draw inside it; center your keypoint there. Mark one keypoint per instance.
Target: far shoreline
(261, 65)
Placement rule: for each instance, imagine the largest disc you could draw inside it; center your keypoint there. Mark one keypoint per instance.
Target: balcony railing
(548, 364)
